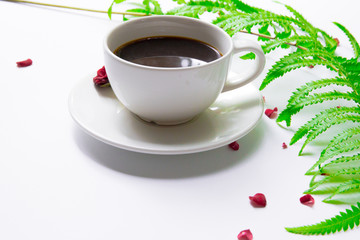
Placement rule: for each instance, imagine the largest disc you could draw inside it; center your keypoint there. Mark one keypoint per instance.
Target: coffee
(168, 51)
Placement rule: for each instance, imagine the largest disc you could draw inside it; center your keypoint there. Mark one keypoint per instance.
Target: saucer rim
(205, 146)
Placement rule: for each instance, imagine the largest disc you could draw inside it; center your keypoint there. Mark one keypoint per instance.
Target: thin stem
(291, 44)
(76, 8)
(257, 34)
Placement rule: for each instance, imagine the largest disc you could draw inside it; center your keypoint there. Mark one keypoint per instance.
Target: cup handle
(235, 80)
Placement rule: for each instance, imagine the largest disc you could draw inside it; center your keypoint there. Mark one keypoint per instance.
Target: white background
(56, 182)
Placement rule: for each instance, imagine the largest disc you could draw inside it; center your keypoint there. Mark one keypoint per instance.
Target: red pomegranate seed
(245, 235)
(101, 78)
(234, 146)
(307, 200)
(337, 41)
(271, 113)
(24, 63)
(284, 146)
(258, 200)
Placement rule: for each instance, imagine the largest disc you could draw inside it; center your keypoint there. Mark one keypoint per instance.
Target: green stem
(291, 44)
(76, 8)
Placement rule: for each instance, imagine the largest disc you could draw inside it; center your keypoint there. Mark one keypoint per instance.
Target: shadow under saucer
(167, 166)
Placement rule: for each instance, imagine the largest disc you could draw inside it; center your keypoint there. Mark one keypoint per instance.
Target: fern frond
(354, 43)
(343, 147)
(342, 143)
(351, 66)
(330, 42)
(297, 60)
(235, 22)
(240, 5)
(214, 6)
(343, 221)
(273, 44)
(326, 124)
(188, 11)
(304, 24)
(326, 185)
(179, 1)
(348, 172)
(305, 90)
(329, 183)
(290, 110)
(346, 187)
(342, 136)
(320, 118)
(152, 7)
(340, 163)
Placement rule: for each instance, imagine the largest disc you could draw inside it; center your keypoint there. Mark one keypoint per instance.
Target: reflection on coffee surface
(168, 51)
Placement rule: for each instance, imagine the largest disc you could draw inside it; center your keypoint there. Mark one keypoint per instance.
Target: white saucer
(100, 114)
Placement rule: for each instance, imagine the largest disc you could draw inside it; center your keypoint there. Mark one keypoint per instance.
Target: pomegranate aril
(271, 113)
(24, 63)
(258, 200)
(307, 200)
(245, 235)
(234, 146)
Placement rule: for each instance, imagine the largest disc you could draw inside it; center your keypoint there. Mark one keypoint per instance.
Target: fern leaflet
(305, 90)
(287, 113)
(352, 40)
(346, 187)
(343, 147)
(343, 221)
(326, 124)
(319, 118)
(296, 60)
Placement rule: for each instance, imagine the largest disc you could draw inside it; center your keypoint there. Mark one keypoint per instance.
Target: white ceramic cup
(169, 96)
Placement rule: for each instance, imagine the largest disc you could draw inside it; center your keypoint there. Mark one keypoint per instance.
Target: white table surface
(58, 183)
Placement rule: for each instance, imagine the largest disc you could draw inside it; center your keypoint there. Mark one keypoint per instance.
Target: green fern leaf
(109, 12)
(304, 91)
(352, 40)
(240, 5)
(296, 60)
(306, 26)
(343, 221)
(330, 113)
(290, 110)
(272, 45)
(152, 7)
(248, 56)
(346, 187)
(264, 30)
(188, 11)
(237, 21)
(342, 136)
(351, 66)
(331, 43)
(326, 124)
(342, 143)
(348, 171)
(179, 1)
(351, 69)
(303, 23)
(214, 6)
(340, 163)
(325, 184)
(344, 146)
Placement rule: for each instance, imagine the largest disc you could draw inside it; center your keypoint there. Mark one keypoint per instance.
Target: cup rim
(112, 54)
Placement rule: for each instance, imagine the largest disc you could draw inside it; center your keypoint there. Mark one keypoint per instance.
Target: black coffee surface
(168, 52)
